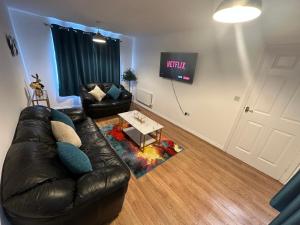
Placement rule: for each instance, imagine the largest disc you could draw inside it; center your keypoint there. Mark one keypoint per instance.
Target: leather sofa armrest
(76, 114)
(100, 183)
(125, 94)
(46, 199)
(86, 98)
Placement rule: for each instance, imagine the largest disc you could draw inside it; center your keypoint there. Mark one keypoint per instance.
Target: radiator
(144, 97)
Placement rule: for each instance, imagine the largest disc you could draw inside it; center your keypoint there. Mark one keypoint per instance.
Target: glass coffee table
(143, 130)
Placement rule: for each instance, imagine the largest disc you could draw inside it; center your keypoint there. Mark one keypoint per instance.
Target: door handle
(247, 109)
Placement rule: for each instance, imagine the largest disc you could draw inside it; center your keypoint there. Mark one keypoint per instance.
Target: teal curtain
(287, 202)
(81, 61)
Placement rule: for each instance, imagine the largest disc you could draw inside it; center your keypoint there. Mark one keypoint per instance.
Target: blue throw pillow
(61, 117)
(73, 158)
(114, 92)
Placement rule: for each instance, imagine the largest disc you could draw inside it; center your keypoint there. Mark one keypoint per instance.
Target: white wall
(37, 50)
(12, 95)
(228, 58)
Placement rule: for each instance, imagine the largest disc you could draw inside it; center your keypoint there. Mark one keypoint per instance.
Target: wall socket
(237, 98)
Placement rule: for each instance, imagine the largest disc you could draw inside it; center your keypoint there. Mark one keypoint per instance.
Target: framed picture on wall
(12, 44)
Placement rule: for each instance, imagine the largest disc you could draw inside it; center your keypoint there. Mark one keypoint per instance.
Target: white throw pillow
(97, 93)
(64, 133)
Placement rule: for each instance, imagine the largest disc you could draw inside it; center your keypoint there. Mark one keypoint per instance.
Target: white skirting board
(219, 146)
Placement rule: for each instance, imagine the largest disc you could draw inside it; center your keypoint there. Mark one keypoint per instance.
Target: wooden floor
(201, 185)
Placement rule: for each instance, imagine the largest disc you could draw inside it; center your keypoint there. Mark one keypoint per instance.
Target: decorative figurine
(37, 86)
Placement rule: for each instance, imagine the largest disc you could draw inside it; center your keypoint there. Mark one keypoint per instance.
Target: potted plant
(129, 76)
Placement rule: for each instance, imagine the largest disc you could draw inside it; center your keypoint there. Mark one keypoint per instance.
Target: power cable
(178, 102)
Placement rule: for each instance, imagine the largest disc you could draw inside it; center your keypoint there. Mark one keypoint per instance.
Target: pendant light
(99, 38)
(237, 11)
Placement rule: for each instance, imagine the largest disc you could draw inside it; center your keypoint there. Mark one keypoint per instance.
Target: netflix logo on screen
(178, 66)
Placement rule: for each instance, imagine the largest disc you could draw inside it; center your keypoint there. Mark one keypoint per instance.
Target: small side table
(44, 98)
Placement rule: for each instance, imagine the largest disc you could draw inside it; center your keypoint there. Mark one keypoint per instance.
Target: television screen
(178, 66)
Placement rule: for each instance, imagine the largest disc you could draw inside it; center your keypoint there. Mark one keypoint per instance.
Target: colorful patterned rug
(139, 162)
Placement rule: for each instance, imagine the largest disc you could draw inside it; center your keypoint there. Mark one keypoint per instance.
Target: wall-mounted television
(178, 66)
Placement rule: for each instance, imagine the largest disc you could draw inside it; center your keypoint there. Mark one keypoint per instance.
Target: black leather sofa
(108, 106)
(36, 189)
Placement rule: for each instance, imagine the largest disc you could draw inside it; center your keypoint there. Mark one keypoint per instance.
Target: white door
(268, 133)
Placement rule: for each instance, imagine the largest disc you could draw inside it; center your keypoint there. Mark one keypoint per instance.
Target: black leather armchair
(108, 106)
(36, 188)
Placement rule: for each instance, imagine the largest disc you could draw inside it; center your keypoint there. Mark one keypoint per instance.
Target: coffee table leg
(144, 137)
(159, 139)
(141, 138)
(121, 123)
(142, 142)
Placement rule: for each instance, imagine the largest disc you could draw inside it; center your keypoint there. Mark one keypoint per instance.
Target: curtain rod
(50, 25)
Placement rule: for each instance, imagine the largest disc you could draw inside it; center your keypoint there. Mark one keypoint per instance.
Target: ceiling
(143, 17)
(132, 17)
(281, 21)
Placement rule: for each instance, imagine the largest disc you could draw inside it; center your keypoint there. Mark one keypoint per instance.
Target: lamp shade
(237, 11)
(98, 38)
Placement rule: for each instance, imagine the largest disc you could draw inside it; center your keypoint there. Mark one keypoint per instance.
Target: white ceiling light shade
(99, 38)
(237, 11)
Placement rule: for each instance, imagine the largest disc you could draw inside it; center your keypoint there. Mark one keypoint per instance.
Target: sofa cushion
(100, 183)
(65, 133)
(86, 126)
(76, 114)
(114, 92)
(104, 86)
(91, 86)
(109, 172)
(29, 164)
(73, 158)
(36, 113)
(48, 199)
(61, 117)
(108, 103)
(95, 146)
(103, 156)
(97, 93)
(34, 131)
